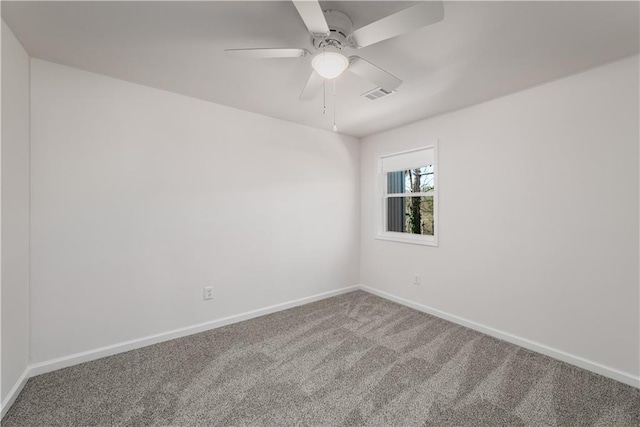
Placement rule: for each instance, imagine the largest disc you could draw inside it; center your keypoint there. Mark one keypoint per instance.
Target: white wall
(141, 197)
(15, 211)
(538, 216)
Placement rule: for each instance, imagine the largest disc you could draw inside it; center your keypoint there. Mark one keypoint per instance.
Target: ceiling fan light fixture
(330, 64)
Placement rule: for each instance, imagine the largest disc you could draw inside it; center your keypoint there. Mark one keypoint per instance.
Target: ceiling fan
(332, 32)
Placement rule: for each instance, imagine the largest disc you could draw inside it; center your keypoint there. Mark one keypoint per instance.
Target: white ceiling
(480, 51)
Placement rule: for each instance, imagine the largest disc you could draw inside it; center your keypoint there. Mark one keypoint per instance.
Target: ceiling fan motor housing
(340, 27)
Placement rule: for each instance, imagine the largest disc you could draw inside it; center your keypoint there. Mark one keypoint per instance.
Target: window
(408, 198)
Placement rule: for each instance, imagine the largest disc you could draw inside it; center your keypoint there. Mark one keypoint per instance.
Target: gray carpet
(355, 359)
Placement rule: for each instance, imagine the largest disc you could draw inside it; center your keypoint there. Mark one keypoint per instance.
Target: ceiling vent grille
(378, 93)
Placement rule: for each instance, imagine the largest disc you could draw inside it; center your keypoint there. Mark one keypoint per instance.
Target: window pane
(396, 219)
(412, 215)
(419, 180)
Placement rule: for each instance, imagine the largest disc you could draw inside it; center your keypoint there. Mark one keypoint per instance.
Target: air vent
(377, 93)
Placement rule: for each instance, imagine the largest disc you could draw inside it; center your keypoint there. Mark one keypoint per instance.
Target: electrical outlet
(208, 292)
(416, 279)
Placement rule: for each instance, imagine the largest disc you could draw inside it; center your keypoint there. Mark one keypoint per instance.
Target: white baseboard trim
(14, 392)
(98, 353)
(623, 377)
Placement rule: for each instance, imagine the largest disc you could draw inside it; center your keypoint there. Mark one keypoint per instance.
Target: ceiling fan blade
(266, 53)
(412, 18)
(378, 76)
(313, 17)
(312, 87)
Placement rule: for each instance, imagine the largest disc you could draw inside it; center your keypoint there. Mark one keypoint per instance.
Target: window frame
(382, 196)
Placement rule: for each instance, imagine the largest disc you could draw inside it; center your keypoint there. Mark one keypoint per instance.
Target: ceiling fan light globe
(330, 64)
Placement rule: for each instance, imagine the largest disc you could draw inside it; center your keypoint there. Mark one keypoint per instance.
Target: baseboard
(623, 377)
(98, 353)
(14, 392)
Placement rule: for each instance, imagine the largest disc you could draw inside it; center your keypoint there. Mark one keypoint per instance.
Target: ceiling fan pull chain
(335, 127)
(324, 97)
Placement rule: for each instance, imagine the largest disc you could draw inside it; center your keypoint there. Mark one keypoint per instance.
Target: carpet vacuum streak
(351, 360)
